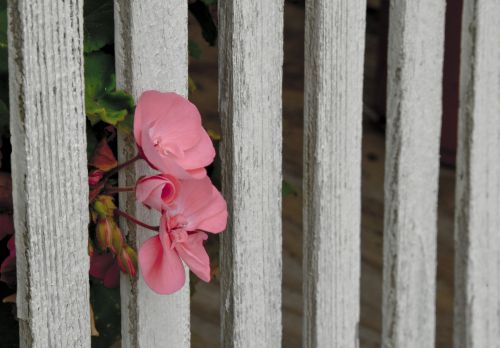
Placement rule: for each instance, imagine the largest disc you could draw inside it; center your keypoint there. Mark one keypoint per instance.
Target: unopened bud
(104, 205)
(95, 176)
(104, 232)
(127, 260)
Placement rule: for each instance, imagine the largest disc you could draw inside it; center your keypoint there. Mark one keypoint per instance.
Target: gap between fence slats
(49, 170)
(151, 53)
(334, 55)
(250, 78)
(477, 218)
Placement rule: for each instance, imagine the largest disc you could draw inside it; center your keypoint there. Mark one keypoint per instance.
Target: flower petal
(202, 205)
(199, 156)
(170, 115)
(165, 164)
(157, 190)
(161, 266)
(193, 253)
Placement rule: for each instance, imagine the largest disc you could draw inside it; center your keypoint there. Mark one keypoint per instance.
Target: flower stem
(114, 189)
(121, 166)
(129, 217)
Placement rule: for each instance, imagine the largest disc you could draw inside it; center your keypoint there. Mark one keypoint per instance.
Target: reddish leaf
(103, 158)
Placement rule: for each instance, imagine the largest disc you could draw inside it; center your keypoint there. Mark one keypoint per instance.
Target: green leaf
(102, 101)
(127, 125)
(98, 24)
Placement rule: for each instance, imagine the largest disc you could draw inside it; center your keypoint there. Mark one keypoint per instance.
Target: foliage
(102, 101)
(201, 11)
(98, 25)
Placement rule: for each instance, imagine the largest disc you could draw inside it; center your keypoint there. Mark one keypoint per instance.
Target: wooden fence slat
(250, 76)
(416, 40)
(151, 53)
(477, 218)
(334, 55)
(49, 169)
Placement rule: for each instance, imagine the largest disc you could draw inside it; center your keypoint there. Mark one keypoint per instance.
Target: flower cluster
(171, 139)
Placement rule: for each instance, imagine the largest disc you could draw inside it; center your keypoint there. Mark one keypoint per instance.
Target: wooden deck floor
(205, 303)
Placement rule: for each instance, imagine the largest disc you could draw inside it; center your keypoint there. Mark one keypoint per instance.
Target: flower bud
(157, 191)
(127, 260)
(95, 176)
(108, 235)
(117, 240)
(104, 206)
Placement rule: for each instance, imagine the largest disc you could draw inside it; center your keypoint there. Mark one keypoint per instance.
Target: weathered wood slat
(477, 218)
(250, 76)
(151, 53)
(49, 169)
(334, 52)
(416, 40)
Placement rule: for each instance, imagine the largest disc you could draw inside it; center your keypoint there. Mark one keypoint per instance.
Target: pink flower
(170, 136)
(105, 267)
(198, 208)
(157, 191)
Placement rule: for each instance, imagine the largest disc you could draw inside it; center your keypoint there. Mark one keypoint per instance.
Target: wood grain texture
(334, 52)
(477, 219)
(250, 78)
(151, 53)
(49, 169)
(415, 65)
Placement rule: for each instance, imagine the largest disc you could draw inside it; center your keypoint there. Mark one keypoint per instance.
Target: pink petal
(165, 164)
(214, 218)
(161, 267)
(170, 115)
(157, 190)
(146, 111)
(181, 127)
(199, 173)
(202, 205)
(193, 253)
(200, 155)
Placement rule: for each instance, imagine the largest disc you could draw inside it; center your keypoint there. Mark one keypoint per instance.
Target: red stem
(121, 166)
(135, 221)
(114, 189)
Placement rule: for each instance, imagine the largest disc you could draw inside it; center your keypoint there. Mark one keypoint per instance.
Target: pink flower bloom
(157, 191)
(105, 267)
(170, 136)
(198, 208)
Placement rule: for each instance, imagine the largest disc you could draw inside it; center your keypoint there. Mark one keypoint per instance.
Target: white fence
(50, 186)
